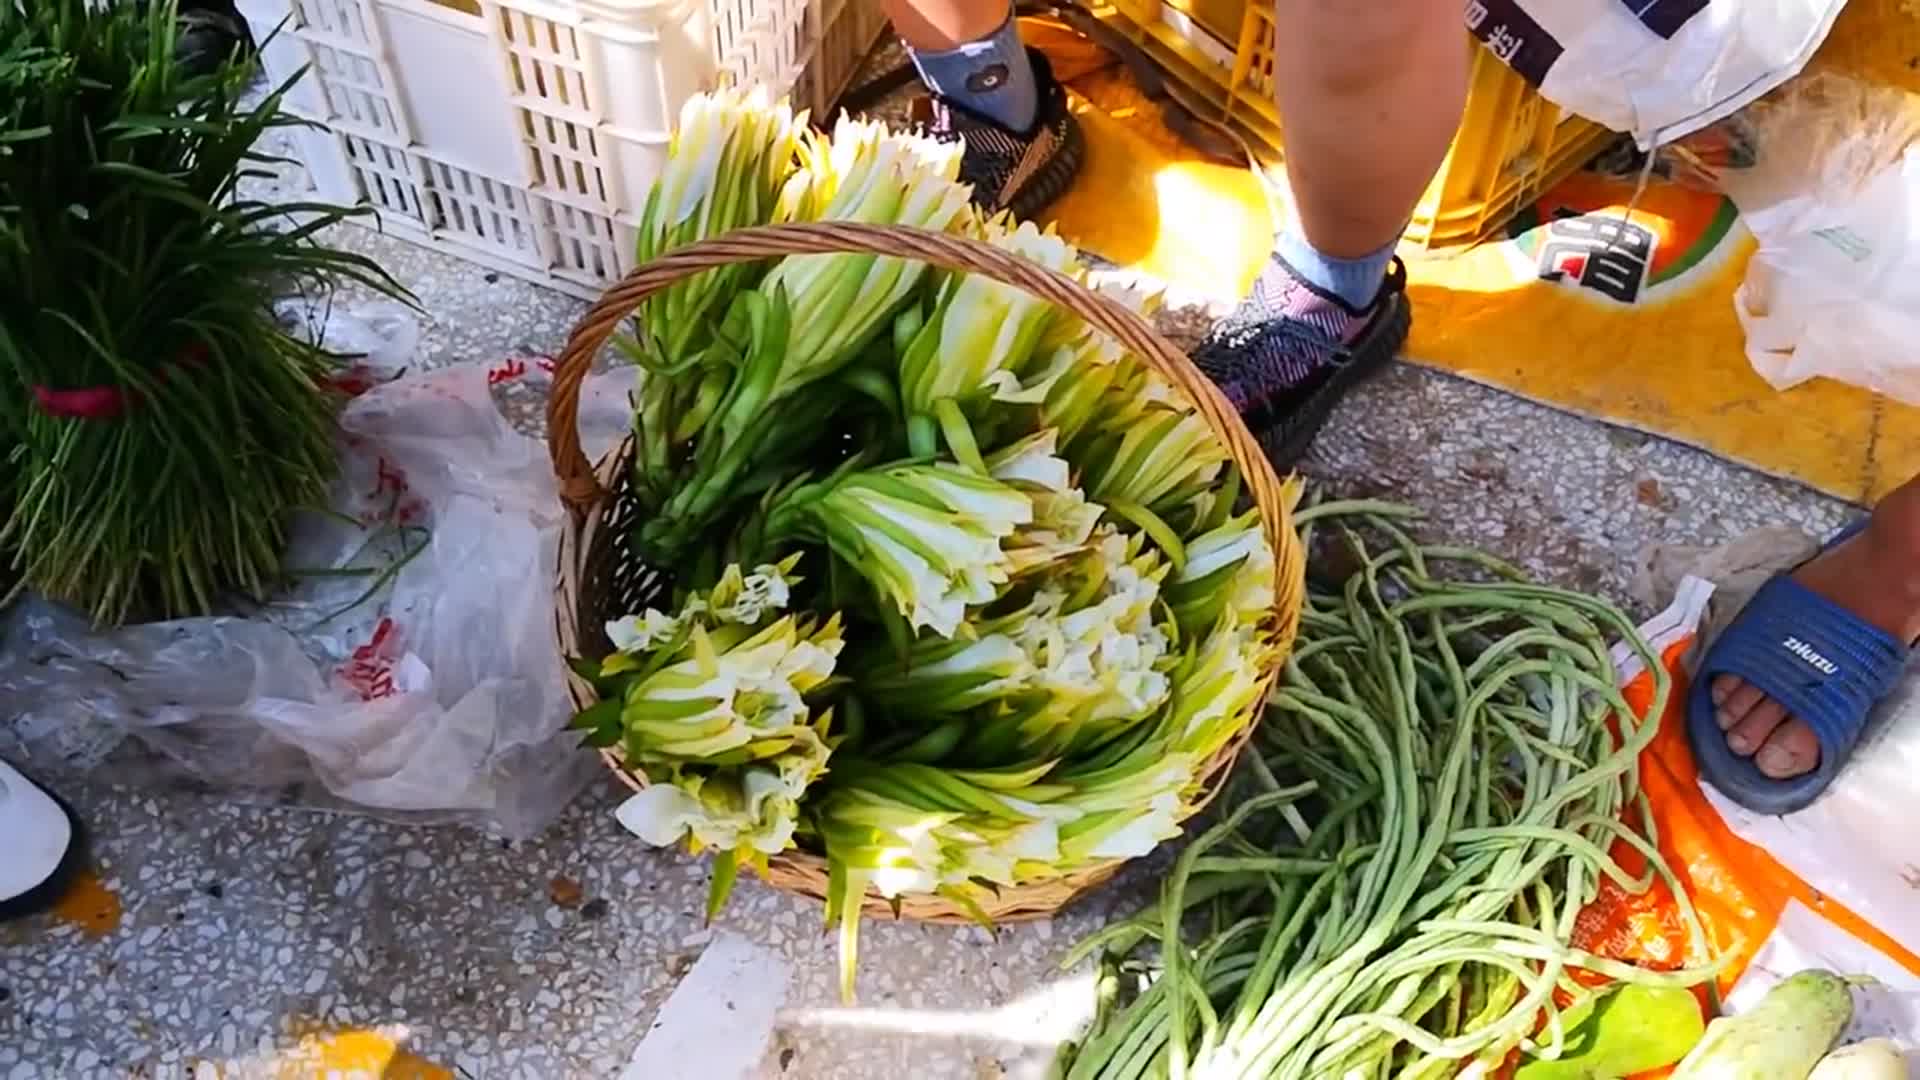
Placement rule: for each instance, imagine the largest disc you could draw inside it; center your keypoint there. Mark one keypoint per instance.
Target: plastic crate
(1512, 144)
(525, 134)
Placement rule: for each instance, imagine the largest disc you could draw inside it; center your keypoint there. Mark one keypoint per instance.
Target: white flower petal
(941, 614)
(994, 652)
(624, 633)
(661, 814)
(892, 881)
(1039, 841)
(1033, 461)
(995, 507)
(953, 541)
(1142, 834)
(1216, 549)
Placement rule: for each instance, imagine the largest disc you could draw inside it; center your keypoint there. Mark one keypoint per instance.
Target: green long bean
(1436, 793)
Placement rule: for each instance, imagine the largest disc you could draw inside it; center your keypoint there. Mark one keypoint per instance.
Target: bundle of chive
(160, 425)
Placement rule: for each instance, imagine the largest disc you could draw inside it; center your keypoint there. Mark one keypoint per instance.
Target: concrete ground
(247, 936)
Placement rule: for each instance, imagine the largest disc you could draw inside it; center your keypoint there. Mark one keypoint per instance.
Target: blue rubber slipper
(1825, 664)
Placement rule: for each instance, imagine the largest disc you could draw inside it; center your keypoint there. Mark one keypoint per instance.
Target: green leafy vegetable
(159, 425)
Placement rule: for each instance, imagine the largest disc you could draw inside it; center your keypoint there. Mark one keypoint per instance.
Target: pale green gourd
(1875, 1059)
(1782, 1038)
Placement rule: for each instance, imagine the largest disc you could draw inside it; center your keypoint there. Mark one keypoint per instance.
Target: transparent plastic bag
(378, 339)
(1833, 197)
(411, 672)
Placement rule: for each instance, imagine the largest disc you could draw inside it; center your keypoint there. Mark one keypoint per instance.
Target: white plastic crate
(525, 134)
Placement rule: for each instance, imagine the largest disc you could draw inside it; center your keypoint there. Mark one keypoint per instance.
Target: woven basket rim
(589, 490)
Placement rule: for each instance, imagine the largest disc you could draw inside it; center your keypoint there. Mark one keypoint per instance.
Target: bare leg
(1370, 94)
(1876, 575)
(969, 53)
(939, 25)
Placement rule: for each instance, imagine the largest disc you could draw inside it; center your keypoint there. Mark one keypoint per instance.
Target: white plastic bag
(1857, 843)
(1886, 1002)
(378, 339)
(1834, 200)
(1656, 69)
(415, 675)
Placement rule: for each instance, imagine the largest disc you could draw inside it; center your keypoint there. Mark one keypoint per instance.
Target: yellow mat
(1562, 314)
(1645, 336)
(1147, 201)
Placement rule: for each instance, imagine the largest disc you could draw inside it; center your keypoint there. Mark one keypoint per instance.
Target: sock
(991, 76)
(1258, 356)
(1355, 281)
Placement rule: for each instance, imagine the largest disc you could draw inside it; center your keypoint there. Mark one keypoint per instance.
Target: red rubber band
(85, 403)
(104, 402)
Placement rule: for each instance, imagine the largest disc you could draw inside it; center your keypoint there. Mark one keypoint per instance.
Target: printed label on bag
(1513, 36)
(1849, 243)
(1665, 17)
(369, 672)
(514, 368)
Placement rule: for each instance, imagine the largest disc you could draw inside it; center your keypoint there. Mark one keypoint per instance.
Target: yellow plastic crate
(1512, 144)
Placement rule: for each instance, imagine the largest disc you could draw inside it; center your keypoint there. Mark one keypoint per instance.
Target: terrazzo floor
(229, 939)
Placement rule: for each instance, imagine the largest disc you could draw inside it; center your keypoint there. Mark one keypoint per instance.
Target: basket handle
(580, 489)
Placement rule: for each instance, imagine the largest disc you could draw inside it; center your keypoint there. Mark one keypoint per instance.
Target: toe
(1791, 750)
(1741, 700)
(1723, 688)
(1751, 731)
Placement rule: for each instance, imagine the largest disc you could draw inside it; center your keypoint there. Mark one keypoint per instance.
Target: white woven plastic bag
(1657, 69)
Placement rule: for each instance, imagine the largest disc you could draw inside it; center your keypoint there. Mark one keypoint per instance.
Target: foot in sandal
(1784, 694)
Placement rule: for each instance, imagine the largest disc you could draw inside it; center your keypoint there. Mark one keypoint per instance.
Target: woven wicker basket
(602, 577)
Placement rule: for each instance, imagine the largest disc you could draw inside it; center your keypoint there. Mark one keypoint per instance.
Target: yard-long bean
(1436, 793)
